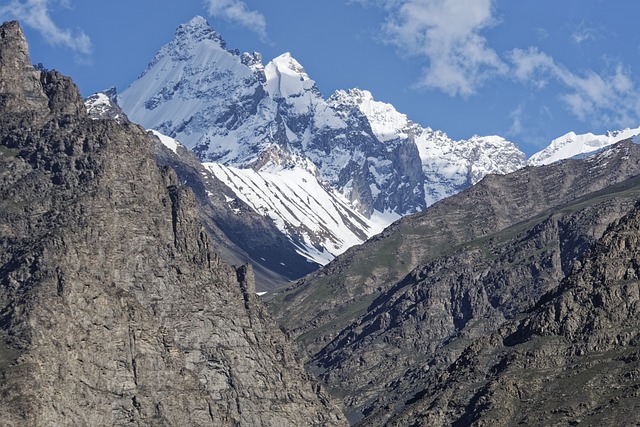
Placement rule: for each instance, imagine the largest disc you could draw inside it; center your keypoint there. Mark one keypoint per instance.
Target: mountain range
(330, 173)
(514, 300)
(388, 318)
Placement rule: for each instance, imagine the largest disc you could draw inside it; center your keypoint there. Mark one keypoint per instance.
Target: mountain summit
(231, 109)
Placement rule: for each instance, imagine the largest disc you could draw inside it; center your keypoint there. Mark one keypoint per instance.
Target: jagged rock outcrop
(114, 310)
(422, 323)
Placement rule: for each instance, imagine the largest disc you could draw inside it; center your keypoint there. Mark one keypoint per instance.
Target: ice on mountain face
(450, 166)
(98, 103)
(572, 145)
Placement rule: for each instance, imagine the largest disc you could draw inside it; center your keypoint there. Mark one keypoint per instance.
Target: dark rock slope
(573, 359)
(114, 310)
(379, 338)
(319, 306)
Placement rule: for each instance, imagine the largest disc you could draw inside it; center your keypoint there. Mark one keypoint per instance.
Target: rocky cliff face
(114, 310)
(571, 359)
(238, 233)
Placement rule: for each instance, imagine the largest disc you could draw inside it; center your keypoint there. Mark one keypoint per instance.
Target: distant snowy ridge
(572, 145)
(230, 109)
(448, 166)
(329, 172)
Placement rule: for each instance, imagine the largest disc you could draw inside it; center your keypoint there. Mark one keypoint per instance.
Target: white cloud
(238, 12)
(607, 98)
(448, 34)
(35, 14)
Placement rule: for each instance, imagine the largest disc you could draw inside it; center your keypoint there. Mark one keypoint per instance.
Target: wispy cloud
(584, 33)
(516, 116)
(35, 14)
(448, 33)
(610, 97)
(238, 12)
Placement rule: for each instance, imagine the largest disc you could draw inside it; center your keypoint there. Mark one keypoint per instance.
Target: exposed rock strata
(572, 360)
(114, 310)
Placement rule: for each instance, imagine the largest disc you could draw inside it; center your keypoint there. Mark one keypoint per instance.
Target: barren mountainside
(382, 324)
(571, 359)
(114, 310)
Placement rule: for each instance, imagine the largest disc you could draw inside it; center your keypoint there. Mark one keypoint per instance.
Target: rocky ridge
(114, 310)
(382, 322)
(239, 233)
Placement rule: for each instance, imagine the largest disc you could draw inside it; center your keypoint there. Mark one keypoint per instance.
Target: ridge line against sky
(529, 72)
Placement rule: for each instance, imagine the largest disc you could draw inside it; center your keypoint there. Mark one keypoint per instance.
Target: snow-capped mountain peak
(286, 78)
(386, 122)
(572, 145)
(272, 119)
(196, 30)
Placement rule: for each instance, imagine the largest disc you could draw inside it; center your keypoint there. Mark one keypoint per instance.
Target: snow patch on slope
(319, 221)
(167, 141)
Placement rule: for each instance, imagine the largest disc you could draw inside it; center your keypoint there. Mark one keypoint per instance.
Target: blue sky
(526, 70)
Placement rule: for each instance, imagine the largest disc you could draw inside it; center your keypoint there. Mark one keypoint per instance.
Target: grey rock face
(420, 325)
(572, 359)
(20, 90)
(114, 310)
